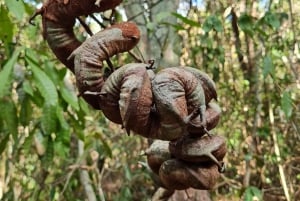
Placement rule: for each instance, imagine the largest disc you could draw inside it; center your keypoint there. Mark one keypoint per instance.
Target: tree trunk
(158, 41)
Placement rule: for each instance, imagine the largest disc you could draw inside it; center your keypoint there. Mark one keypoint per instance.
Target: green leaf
(69, 97)
(187, 20)
(7, 26)
(48, 156)
(28, 88)
(9, 116)
(3, 143)
(84, 106)
(162, 15)
(61, 119)
(175, 26)
(49, 119)
(212, 22)
(268, 67)
(245, 22)
(28, 142)
(6, 74)
(26, 111)
(272, 19)
(151, 26)
(43, 82)
(252, 193)
(17, 8)
(105, 148)
(287, 104)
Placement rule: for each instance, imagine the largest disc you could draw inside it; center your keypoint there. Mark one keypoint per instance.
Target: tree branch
(85, 178)
(238, 48)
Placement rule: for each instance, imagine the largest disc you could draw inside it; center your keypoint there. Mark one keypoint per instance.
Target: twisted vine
(173, 106)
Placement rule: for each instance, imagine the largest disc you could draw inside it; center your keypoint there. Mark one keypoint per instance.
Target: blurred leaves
(252, 193)
(212, 23)
(7, 26)
(268, 67)
(246, 24)
(43, 82)
(6, 74)
(186, 20)
(286, 104)
(16, 8)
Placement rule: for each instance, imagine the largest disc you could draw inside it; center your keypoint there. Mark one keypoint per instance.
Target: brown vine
(174, 105)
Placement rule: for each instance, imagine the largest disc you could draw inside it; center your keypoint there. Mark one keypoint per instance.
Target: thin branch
(142, 12)
(85, 178)
(238, 48)
(136, 58)
(277, 153)
(292, 22)
(85, 26)
(98, 21)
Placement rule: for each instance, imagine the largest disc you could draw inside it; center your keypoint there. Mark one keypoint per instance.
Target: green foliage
(212, 23)
(6, 74)
(16, 8)
(187, 20)
(252, 193)
(7, 26)
(287, 104)
(268, 67)
(252, 64)
(246, 24)
(44, 84)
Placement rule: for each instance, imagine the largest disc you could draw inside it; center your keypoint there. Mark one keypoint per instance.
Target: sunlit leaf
(9, 116)
(151, 26)
(7, 26)
(49, 119)
(245, 23)
(3, 142)
(6, 74)
(287, 104)
(272, 19)
(28, 142)
(162, 15)
(187, 20)
(212, 22)
(84, 106)
(69, 97)
(252, 193)
(43, 82)
(26, 111)
(268, 67)
(49, 154)
(105, 146)
(17, 8)
(175, 26)
(28, 88)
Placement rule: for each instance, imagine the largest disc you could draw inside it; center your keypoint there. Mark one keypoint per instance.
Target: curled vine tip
(151, 63)
(222, 167)
(38, 12)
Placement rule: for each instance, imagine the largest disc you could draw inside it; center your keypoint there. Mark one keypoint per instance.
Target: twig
(292, 22)
(135, 57)
(142, 12)
(85, 178)
(277, 153)
(85, 26)
(96, 20)
(236, 32)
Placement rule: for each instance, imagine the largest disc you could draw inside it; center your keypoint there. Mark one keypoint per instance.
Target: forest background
(53, 146)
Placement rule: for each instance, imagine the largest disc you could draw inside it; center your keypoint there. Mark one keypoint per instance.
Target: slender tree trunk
(158, 42)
